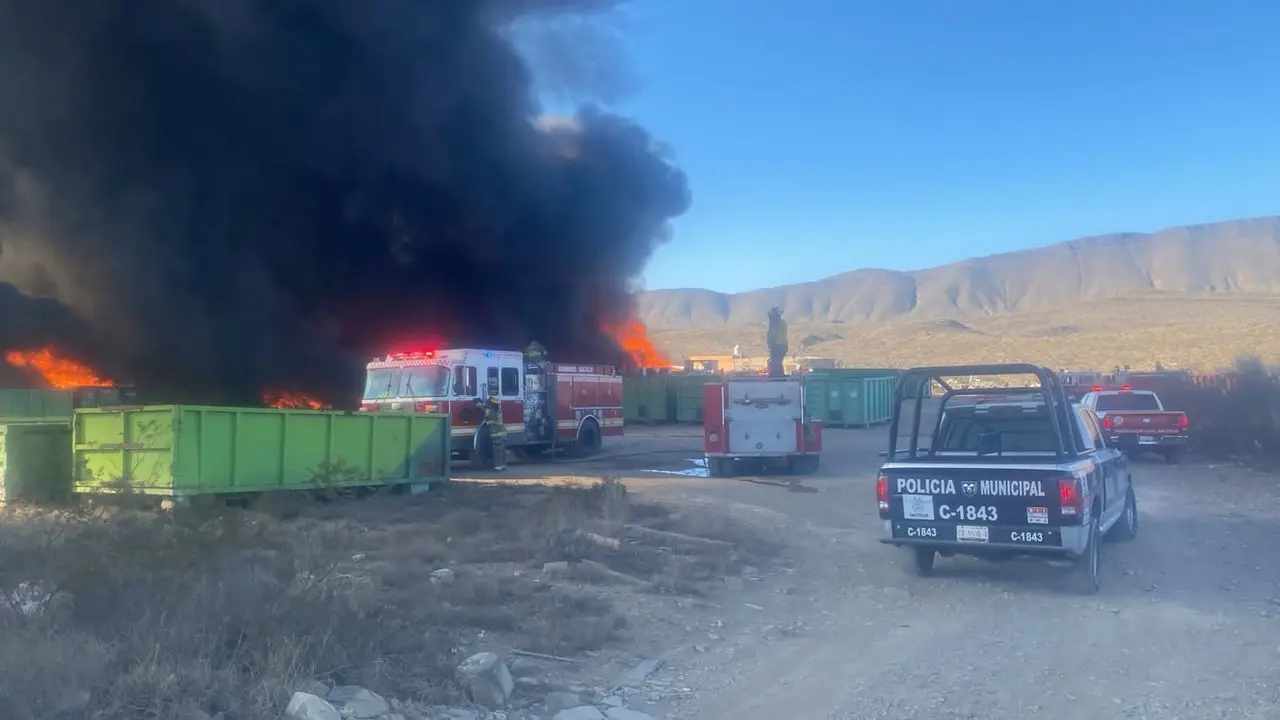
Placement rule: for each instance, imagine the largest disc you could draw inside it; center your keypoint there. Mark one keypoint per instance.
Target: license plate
(1147, 439)
(971, 533)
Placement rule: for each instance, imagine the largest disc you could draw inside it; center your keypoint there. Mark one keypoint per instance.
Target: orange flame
(59, 372)
(633, 337)
(292, 401)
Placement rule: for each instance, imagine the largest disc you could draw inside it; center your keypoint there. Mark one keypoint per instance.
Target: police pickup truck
(1001, 472)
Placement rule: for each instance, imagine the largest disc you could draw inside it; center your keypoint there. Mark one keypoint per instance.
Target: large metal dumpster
(42, 405)
(648, 398)
(36, 405)
(185, 451)
(843, 399)
(35, 461)
(687, 393)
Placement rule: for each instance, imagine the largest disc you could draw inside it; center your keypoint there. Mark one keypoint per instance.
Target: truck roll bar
(919, 378)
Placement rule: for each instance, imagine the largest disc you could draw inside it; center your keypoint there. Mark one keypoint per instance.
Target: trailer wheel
(718, 467)
(803, 464)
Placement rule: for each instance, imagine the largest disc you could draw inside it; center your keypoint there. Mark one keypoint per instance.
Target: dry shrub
(1241, 421)
(148, 615)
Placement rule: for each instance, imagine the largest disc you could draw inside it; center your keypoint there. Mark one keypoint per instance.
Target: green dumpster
(36, 405)
(817, 396)
(35, 461)
(647, 398)
(687, 393)
(187, 451)
(42, 405)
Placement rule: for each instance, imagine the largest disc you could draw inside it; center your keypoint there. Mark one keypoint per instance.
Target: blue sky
(827, 135)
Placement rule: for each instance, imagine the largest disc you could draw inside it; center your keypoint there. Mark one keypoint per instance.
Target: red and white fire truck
(544, 405)
(759, 419)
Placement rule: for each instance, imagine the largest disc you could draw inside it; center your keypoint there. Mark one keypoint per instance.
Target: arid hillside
(1195, 297)
(1200, 332)
(1234, 258)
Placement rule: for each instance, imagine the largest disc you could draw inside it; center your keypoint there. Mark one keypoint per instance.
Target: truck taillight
(882, 493)
(1069, 497)
(1106, 423)
(1183, 421)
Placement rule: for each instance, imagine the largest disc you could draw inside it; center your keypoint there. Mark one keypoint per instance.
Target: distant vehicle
(1001, 474)
(1136, 421)
(544, 405)
(759, 420)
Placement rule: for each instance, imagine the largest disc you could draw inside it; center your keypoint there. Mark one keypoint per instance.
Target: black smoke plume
(210, 198)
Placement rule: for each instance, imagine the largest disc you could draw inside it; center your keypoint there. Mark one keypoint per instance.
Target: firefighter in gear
(535, 353)
(776, 339)
(497, 430)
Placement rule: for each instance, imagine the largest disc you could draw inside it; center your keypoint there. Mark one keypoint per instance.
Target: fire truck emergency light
(411, 355)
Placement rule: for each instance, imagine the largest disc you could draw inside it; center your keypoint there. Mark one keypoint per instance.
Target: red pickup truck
(1136, 421)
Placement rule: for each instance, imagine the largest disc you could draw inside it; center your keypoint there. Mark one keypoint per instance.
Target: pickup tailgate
(990, 505)
(1135, 422)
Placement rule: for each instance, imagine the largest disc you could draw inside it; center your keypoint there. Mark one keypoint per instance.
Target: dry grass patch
(115, 614)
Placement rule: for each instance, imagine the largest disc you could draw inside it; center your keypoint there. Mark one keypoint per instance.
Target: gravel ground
(1187, 624)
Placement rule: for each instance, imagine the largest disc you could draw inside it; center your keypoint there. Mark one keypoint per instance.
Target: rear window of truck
(1122, 402)
(1021, 429)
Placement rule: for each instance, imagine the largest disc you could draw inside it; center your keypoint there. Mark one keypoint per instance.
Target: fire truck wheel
(588, 442)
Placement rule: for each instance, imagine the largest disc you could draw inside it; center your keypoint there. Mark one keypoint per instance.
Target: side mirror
(989, 443)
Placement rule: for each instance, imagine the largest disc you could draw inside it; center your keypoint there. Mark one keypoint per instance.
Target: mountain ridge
(1233, 257)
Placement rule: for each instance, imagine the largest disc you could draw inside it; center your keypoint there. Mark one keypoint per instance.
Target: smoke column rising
(215, 197)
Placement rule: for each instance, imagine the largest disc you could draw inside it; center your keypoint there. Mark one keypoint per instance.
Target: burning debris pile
(210, 199)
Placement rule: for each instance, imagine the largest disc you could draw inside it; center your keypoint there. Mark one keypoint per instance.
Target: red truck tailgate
(1152, 422)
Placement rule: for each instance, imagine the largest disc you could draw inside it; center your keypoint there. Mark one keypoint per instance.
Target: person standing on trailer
(497, 430)
(535, 353)
(776, 339)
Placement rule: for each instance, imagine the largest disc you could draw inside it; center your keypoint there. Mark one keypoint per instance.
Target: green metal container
(687, 392)
(36, 405)
(186, 451)
(849, 400)
(647, 398)
(43, 405)
(35, 462)
(818, 391)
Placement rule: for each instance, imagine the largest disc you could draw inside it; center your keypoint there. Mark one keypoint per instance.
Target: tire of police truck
(1126, 528)
(1083, 576)
(922, 559)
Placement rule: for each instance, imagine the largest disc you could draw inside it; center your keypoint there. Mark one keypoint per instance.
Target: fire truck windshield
(382, 384)
(416, 381)
(424, 381)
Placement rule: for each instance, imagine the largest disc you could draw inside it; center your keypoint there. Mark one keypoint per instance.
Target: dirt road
(1187, 624)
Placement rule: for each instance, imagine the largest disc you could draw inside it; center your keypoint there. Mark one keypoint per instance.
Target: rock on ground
(486, 678)
(305, 706)
(586, 712)
(358, 703)
(559, 700)
(617, 713)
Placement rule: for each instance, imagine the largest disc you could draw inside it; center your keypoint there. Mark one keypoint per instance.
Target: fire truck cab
(544, 405)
